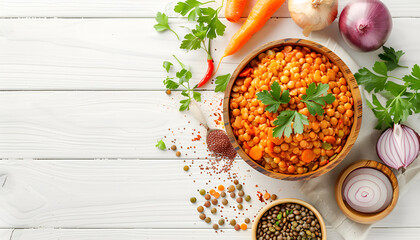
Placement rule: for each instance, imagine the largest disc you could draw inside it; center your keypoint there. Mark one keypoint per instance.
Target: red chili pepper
(207, 76)
(245, 72)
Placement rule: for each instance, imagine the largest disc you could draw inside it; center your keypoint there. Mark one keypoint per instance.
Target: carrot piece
(270, 146)
(212, 191)
(245, 72)
(308, 155)
(221, 187)
(267, 196)
(246, 145)
(216, 195)
(256, 152)
(234, 10)
(329, 139)
(244, 226)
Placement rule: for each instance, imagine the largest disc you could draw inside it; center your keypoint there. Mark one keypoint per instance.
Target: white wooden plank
(135, 194)
(174, 234)
(133, 8)
(127, 54)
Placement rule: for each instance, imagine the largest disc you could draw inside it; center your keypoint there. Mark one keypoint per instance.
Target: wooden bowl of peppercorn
(325, 140)
(298, 217)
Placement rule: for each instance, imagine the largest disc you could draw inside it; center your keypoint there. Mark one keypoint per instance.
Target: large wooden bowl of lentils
(289, 218)
(294, 64)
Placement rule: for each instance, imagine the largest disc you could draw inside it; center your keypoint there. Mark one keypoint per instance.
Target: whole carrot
(234, 9)
(259, 15)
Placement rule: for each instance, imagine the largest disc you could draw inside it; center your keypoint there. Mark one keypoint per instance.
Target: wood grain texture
(175, 234)
(135, 8)
(135, 194)
(351, 81)
(115, 54)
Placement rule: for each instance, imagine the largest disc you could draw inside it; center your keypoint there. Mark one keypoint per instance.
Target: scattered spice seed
(214, 201)
(221, 222)
(239, 186)
(202, 216)
(186, 168)
(236, 182)
(233, 222)
(241, 193)
(247, 220)
(207, 220)
(168, 92)
(200, 208)
(237, 227)
(223, 194)
(193, 200)
(224, 201)
(244, 226)
(178, 154)
(221, 187)
(267, 196)
(207, 204)
(247, 198)
(240, 206)
(213, 210)
(215, 226)
(273, 197)
(173, 147)
(202, 191)
(231, 188)
(207, 197)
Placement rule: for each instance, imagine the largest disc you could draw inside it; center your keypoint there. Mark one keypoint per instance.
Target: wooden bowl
(289, 200)
(365, 218)
(351, 82)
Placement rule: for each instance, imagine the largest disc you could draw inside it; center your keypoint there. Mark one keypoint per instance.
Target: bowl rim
(351, 81)
(366, 218)
(289, 200)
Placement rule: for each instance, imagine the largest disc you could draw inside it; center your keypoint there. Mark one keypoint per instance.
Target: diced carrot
(246, 145)
(308, 156)
(329, 139)
(245, 72)
(216, 195)
(267, 196)
(244, 226)
(212, 191)
(270, 146)
(256, 152)
(221, 187)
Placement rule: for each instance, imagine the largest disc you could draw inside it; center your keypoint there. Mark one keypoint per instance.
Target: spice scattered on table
(218, 142)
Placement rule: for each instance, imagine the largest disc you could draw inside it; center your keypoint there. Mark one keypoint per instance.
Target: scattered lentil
(221, 222)
(178, 154)
(232, 195)
(214, 201)
(232, 222)
(168, 92)
(207, 220)
(200, 208)
(247, 220)
(236, 182)
(241, 193)
(207, 197)
(202, 191)
(240, 207)
(273, 197)
(213, 210)
(231, 188)
(215, 226)
(186, 168)
(239, 186)
(193, 199)
(244, 226)
(221, 188)
(223, 194)
(237, 227)
(173, 147)
(202, 216)
(224, 201)
(247, 198)
(239, 200)
(207, 204)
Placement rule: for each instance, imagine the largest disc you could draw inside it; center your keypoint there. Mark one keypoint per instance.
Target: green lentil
(247, 198)
(202, 191)
(239, 187)
(193, 200)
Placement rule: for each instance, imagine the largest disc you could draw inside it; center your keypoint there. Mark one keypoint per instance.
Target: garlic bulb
(312, 15)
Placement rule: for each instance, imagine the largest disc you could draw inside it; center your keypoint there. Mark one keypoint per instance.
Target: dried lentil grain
(247, 198)
(207, 204)
(236, 182)
(213, 210)
(232, 222)
(193, 199)
(207, 197)
(178, 154)
(237, 227)
(224, 201)
(202, 191)
(168, 92)
(240, 207)
(231, 188)
(207, 220)
(200, 208)
(202, 216)
(186, 168)
(241, 193)
(214, 201)
(273, 197)
(232, 195)
(173, 147)
(215, 226)
(221, 222)
(247, 220)
(239, 186)
(223, 194)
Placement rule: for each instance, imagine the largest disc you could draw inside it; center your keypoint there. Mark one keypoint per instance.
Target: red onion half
(365, 24)
(398, 146)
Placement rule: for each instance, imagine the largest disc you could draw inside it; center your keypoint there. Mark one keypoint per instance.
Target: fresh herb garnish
(316, 98)
(167, 65)
(222, 82)
(274, 97)
(402, 100)
(161, 145)
(162, 24)
(183, 77)
(289, 212)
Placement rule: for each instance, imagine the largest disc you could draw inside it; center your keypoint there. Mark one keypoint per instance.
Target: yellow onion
(313, 15)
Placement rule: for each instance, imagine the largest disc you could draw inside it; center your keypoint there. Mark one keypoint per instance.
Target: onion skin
(389, 150)
(365, 25)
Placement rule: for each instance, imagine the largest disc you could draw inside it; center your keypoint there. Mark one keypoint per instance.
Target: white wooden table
(82, 105)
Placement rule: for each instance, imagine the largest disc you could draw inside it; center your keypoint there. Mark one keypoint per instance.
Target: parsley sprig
(163, 24)
(316, 98)
(402, 100)
(181, 79)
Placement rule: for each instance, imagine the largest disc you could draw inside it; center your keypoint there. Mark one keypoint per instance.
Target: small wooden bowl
(365, 218)
(289, 200)
(351, 81)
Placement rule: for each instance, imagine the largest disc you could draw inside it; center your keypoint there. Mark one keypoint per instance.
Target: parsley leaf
(214, 26)
(391, 58)
(394, 89)
(284, 123)
(189, 6)
(370, 80)
(191, 42)
(381, 113)
(170, 84)
(222, 82)
(184, 76)
(273, 98)
(162, 23)
(413, 80)
(197, 96)
(167, 65)
(185, 104)
(161, 145)
(317, 97)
